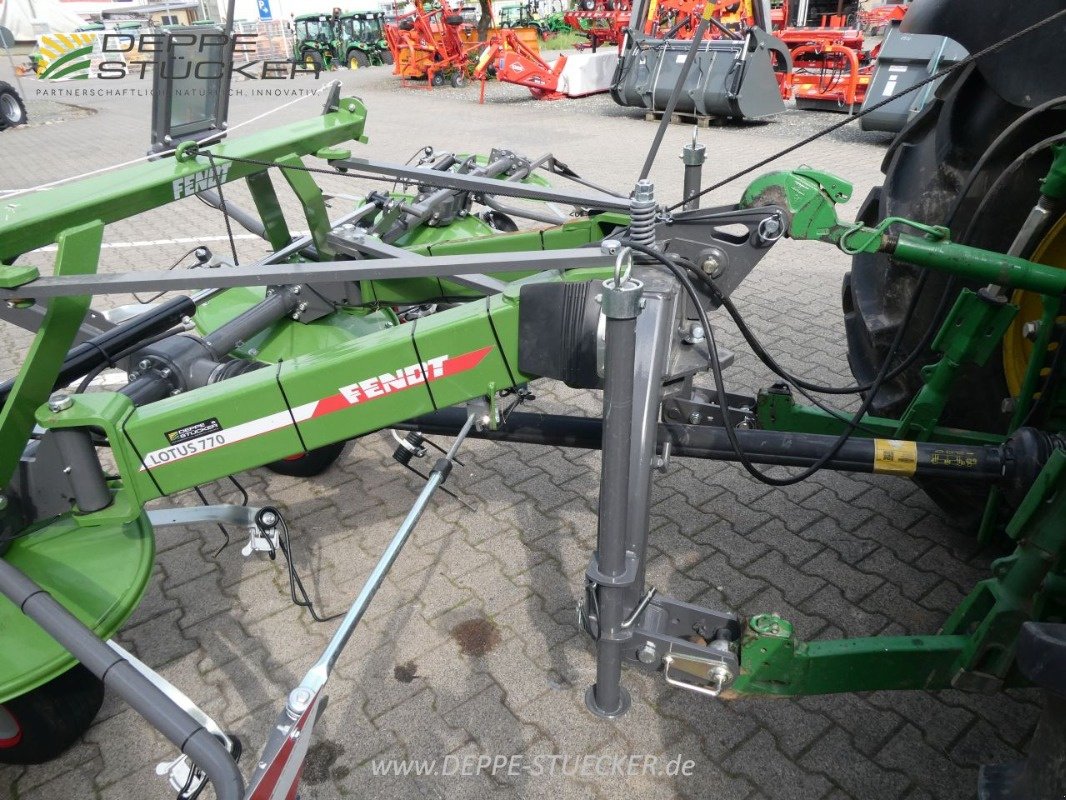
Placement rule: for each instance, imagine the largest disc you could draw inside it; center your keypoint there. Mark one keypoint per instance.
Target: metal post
(80, 463)
(693, 156)
(612, 570)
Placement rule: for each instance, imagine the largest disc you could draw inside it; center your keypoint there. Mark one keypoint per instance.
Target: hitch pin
(632, 619)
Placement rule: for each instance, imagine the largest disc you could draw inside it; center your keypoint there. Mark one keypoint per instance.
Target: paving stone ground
(839, 555)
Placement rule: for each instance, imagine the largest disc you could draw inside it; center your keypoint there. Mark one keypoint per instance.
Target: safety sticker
(895, 457)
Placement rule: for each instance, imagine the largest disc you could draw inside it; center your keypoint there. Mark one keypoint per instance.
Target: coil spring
(642, 212)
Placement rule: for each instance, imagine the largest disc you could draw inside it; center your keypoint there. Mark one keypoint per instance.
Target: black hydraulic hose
(103, 349)
(118, 675)
(982, 463)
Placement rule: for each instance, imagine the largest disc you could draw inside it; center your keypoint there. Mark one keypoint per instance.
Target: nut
(60, 401)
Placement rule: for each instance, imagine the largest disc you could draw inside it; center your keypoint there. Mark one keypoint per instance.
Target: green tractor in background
(363, 39)
(317, 41)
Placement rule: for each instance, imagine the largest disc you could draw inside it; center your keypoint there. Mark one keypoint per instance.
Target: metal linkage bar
(408, 266)
(357, 243)
(278, 769)
(479, 185)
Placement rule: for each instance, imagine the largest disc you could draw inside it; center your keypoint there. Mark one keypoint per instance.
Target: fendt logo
(200, 181)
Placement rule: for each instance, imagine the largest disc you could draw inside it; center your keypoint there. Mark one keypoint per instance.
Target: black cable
(772, 365)
(876, 106)
(112, 360)
(173, 266)
(295, 584)
(221, 527)
(222, 206)
(719, 381)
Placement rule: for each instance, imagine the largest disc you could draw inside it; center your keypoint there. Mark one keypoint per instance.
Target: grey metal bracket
(696, 406)
(674, 635)
(713, 240)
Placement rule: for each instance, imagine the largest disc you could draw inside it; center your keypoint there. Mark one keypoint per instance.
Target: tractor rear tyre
(12, 109)
(313, 59)
(386, 57)
(309, 464)
(42, 724)
(930, 177)
(358, 59)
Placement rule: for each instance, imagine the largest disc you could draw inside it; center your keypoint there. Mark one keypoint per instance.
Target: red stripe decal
(378, 386)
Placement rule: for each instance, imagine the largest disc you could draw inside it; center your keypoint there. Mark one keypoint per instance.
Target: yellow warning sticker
(895, 457)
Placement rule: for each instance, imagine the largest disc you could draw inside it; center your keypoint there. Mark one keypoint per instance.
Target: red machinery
(568, 76)
(875, 20)
(431, 44)
(602, 26)
(677, 19)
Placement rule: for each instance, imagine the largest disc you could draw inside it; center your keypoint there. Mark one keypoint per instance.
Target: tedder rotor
(416, 311)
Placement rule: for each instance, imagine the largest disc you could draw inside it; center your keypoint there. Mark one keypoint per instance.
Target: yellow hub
(353, 63)
(1017, 349)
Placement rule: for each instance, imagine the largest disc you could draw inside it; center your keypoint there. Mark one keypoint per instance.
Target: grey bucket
(728, 78)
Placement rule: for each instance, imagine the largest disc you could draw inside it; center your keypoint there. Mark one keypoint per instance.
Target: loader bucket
(729, 77)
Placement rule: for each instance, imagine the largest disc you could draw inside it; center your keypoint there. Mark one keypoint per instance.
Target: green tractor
(317, 43)
(363, 39)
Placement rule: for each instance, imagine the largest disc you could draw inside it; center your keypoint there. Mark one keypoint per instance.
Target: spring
(642, 212)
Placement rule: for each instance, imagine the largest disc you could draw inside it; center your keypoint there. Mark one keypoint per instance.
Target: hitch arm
(809, 198)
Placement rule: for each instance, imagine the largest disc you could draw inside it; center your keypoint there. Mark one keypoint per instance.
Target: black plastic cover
(557, 332)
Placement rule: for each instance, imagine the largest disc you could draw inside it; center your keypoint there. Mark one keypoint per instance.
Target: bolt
(648, 653)
(1030, 330)
(144, 365)
(60, 401)
(269, 519)
(610, 247)
(299, 699)
(722, 677)
(175, 392)
(696, 333)
(744, 424)
(1007, 406)
(712, 265)
(644, 191)
(694, 418)
(3, 502)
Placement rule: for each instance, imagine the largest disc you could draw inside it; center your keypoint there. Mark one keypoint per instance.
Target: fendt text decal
(358, 393)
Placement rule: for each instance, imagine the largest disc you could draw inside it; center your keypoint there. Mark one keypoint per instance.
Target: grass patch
(563, 41)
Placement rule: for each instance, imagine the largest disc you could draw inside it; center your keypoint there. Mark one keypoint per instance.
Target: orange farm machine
(432, 44)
